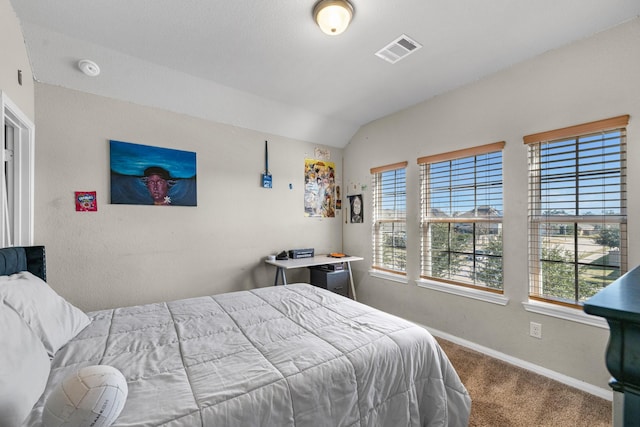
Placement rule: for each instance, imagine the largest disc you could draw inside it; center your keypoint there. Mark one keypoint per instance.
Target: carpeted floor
(504, 395)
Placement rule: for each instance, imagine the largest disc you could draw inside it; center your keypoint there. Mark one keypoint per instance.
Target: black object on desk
(301, 253)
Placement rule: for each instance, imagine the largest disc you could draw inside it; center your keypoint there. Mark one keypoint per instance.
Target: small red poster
(86, 201)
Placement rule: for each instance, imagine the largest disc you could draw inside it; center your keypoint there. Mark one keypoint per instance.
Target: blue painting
(146, 175)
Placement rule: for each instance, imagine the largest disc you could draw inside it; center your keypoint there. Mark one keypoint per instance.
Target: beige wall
(128, 254)
(14, 58)
(593, 79)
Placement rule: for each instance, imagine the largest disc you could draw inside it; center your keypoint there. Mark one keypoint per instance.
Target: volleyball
(93, 396)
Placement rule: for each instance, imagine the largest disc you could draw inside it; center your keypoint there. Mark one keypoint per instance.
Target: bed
(294, 355)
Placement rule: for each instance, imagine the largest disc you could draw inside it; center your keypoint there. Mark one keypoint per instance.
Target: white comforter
(293, 355)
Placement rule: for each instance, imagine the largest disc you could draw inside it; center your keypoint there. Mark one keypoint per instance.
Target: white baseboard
(565, 379)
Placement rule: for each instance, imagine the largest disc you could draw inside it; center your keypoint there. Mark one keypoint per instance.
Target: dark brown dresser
(619, 303)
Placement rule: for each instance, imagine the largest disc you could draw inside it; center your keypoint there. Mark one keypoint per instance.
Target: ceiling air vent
(398, 49)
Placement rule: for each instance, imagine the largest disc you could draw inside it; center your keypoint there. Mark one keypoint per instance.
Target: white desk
(287, 264)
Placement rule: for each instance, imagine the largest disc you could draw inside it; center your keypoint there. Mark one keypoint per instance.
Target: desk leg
(353, 289)
(280, 272)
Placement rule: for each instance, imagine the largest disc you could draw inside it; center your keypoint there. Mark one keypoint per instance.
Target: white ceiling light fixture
(89, 67)
(333, 16)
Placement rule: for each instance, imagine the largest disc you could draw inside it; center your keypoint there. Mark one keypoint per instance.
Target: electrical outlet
(535, 330)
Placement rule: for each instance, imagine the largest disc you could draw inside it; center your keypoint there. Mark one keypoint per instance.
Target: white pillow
(92, 396)
(24, 368)
(50, 316)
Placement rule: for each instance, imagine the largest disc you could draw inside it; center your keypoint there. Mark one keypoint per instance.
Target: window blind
(577, 210)
(389, 237)
(461, 217)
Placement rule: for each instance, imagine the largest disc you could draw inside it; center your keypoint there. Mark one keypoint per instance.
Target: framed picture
(355, 205)
(147, 175)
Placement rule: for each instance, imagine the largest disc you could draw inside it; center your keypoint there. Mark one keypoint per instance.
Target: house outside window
(461, 217)
(390, 218)
(577, 210)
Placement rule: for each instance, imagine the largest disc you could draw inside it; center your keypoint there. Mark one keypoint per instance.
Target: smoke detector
(89, 67)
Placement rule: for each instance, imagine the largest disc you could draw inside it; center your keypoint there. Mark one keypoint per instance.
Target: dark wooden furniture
(619, 303)
(23, 258)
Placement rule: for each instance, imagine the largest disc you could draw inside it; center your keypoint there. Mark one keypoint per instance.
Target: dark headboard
(23, 258)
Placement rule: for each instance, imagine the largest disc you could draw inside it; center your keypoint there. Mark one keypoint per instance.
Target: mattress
(294, 355)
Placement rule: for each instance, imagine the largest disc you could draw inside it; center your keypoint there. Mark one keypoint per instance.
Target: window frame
(17, 214)
(537, 219)
(377, 264)
(474, 290)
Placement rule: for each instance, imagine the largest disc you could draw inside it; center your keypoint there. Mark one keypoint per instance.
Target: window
(390, 218)
(16, 177)
(461, 217)
(577, 210)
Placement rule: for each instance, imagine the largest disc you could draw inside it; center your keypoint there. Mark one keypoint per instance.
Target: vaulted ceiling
(265, 65)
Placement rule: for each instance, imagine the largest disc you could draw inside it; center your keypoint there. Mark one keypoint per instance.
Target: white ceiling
(265, 65)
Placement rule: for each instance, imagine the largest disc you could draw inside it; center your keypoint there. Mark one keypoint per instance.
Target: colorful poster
(146, 175)
(319, 188)
(86, 201)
